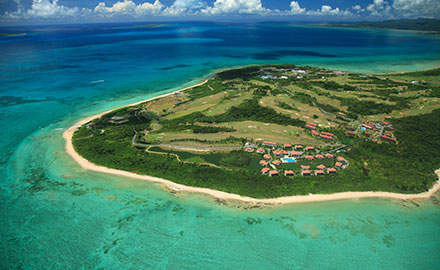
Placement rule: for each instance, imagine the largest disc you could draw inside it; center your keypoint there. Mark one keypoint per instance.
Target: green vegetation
(205, 125)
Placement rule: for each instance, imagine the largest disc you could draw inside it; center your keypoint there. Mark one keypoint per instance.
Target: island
(270, 131)
(431, 26)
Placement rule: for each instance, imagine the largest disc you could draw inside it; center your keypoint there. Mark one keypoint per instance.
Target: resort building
(309, 157)
(329, 156)
(350, 133)
(373, 140)
(388, 139)
(385, 123)
(298, 147)
(263, 163)
(311, 127)
(310, 148)
(319, 157)
(319, 172)
(311, 124)
(273, 173)
(261, 151)
(267, 156)
(265, 170)
(276, 162)
(321, 167)
(331, 170)
(284, 152)
(305, 173)
(249, 150)
(323, 136)
(338, 165)
(272, 144)
(295, 154)
(328, 134)
(289, 173)
(277, 153)
(315, 133)
(340, 159)
(305, 167)
(288, 146)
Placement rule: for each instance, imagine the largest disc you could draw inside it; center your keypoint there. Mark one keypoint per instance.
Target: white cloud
(416, 8)
(128, 7)
(295, 8)
(358, 8)
(329, 11)
(235, 6)
(184, 7)
(44, 9)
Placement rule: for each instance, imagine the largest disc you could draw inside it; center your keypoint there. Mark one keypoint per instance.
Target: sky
(52, 11)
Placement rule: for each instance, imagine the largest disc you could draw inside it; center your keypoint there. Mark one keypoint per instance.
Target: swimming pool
(288, 160)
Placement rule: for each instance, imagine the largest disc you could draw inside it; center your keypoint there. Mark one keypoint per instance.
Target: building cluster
(376, 130)
(274, 156)
(323, 135)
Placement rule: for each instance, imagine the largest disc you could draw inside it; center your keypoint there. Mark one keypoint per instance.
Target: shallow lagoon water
(55, 215)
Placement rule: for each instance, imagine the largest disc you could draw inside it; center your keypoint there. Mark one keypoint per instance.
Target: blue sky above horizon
(36, 11)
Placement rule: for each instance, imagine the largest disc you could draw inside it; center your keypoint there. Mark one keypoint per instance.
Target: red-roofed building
(287, 145)
(265, 170)
(368, 125)
(309, 157)
(338, 165)
(389, 128)
(298, 147)
(249, 150)
(329, 156)
(305, 173)
(261, 151)
(331, 170)
(319, 172)
(295, 154)
(269, 144)
(388, 139)
(311, 127)
(340, 159)
(350, 133)
(263, 163)
(315, 133)
(311, 124)
(349, 128)
(267, 156)
(328, 134)
(277, 153)
(305, 167)
(319, 157)
(276, 162)
(273, 173)
(310, 148)
(385, 123)
(289, 173)
(284, 152)
(321, 167)
(373, 140)
(387, 133)
(326, 137)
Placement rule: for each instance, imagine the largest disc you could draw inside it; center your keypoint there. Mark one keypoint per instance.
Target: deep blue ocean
(56, 215)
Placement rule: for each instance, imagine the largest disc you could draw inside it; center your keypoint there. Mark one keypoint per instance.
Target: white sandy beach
(229, 196)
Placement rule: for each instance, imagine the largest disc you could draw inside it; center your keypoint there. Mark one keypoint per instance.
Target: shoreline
(84, 163)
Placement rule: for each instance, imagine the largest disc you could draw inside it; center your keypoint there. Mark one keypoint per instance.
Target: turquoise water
(55, 215)
(289, 160)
